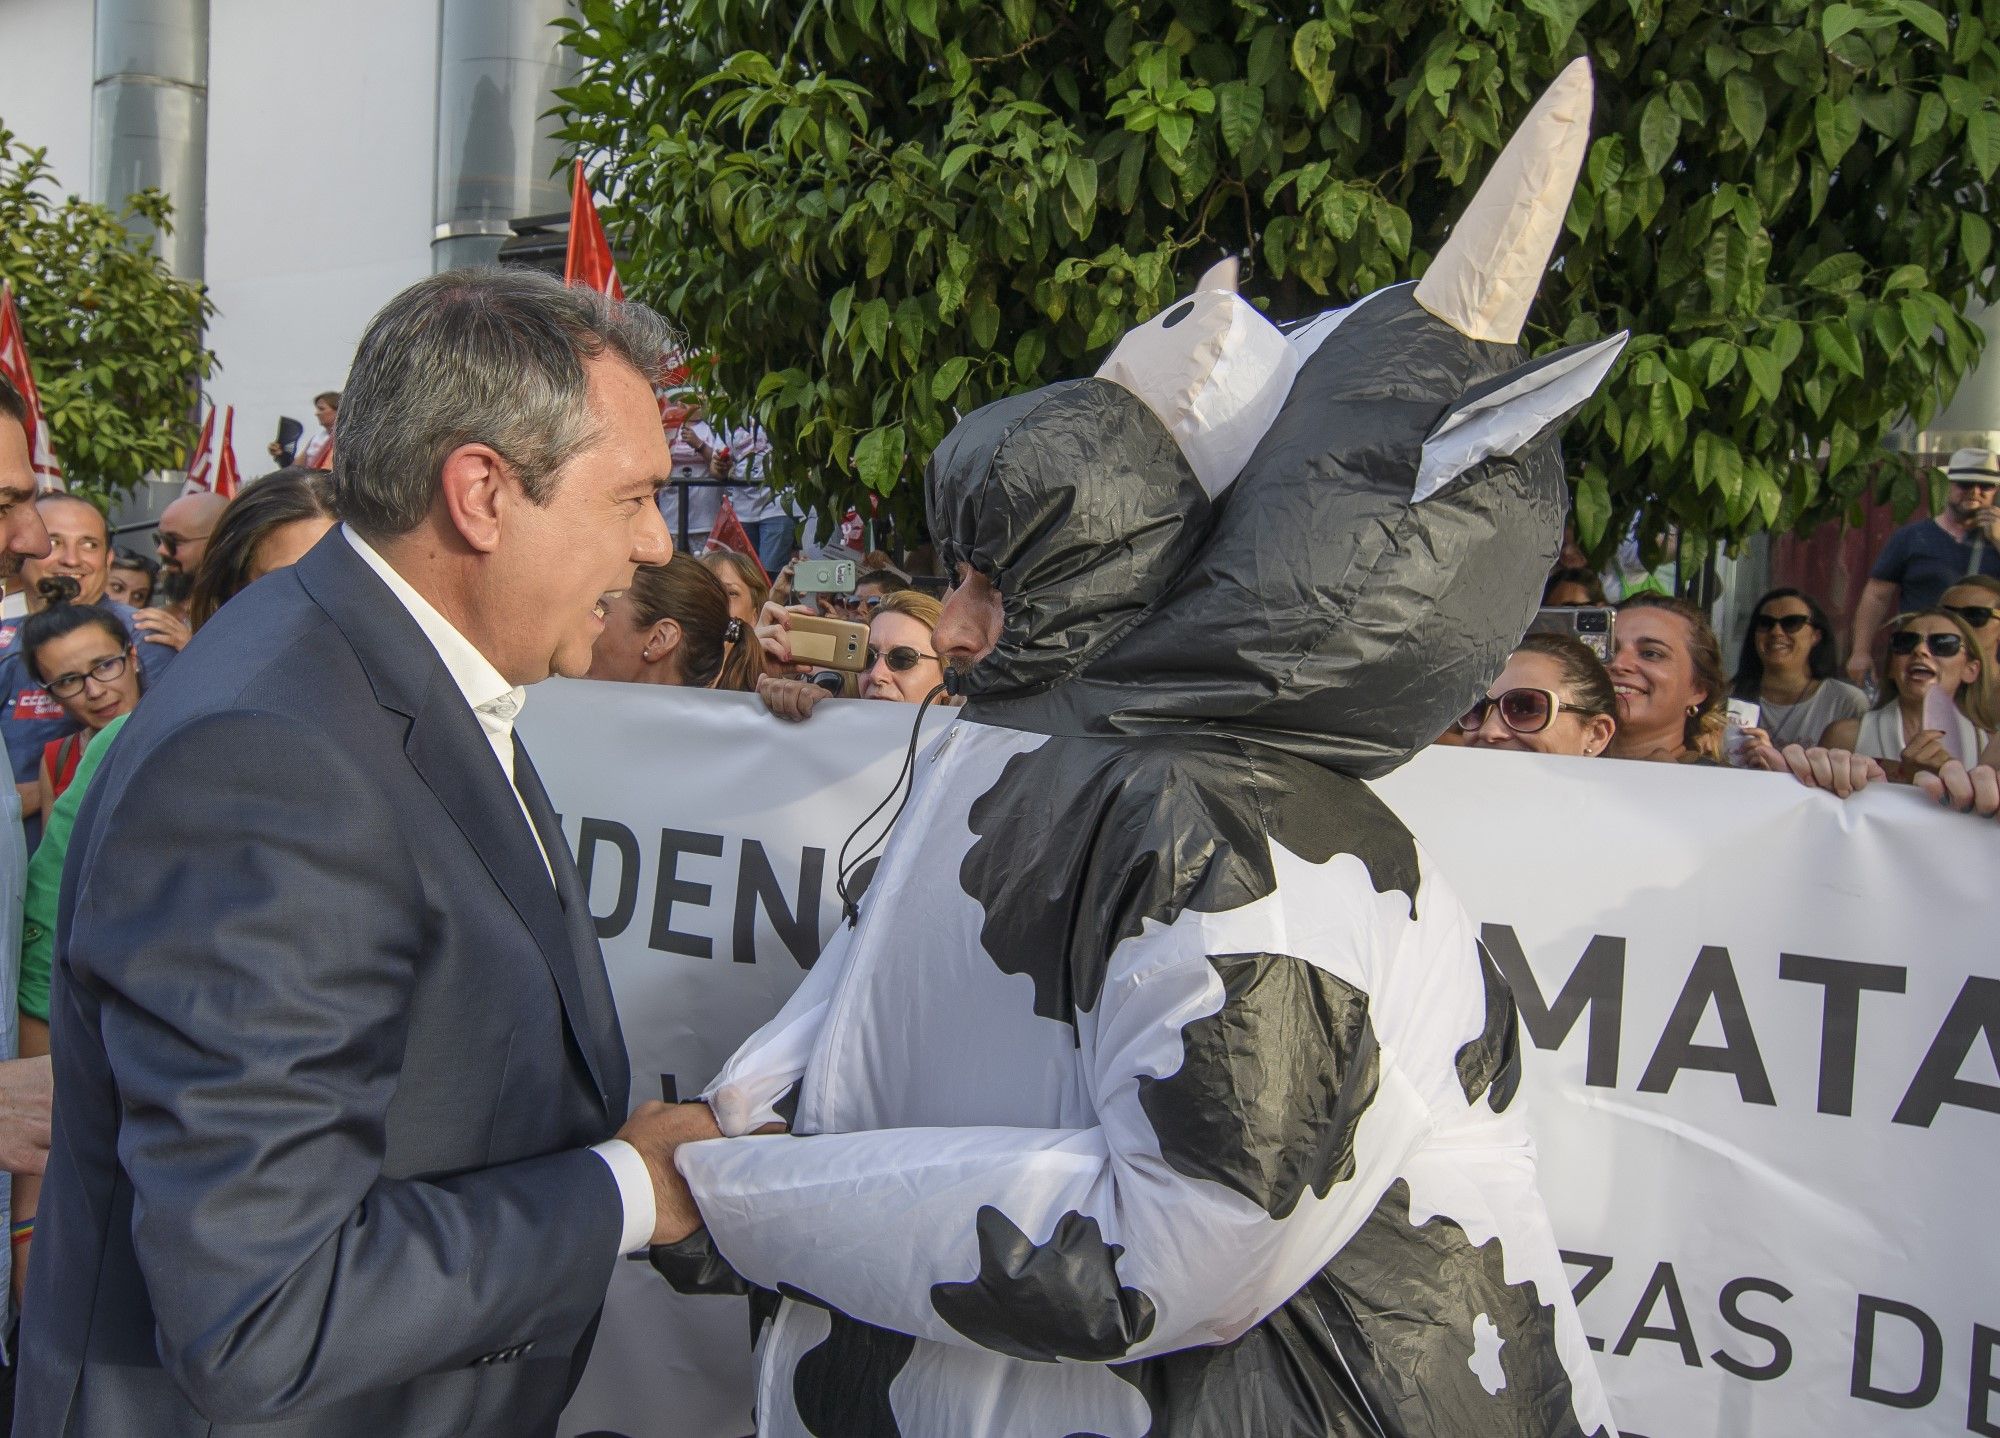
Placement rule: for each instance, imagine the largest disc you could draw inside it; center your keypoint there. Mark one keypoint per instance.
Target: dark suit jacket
(329, 1049)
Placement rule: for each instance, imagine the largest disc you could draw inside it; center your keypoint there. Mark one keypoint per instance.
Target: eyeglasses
(1941, 646)
(1977, 615)
(901, 659)
(1790, 623)
(1525, 711)
(66, 686)
(172, 542)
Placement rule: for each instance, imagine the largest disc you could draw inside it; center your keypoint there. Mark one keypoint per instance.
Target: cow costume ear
(1505, 414)
(1213, 370)
(1485, 277)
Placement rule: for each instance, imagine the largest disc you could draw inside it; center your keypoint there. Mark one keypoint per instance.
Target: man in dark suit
(334, 1040)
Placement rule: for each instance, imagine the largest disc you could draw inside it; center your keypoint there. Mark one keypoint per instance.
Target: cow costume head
(1326, 537)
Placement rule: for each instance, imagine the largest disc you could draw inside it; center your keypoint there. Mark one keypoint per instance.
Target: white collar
(485, 688)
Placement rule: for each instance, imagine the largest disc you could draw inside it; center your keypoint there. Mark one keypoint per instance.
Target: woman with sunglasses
(1788, 668)
(903, 666)
(1927, 650)
(1552, 698)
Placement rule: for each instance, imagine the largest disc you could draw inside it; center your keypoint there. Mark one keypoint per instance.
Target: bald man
(185, 526)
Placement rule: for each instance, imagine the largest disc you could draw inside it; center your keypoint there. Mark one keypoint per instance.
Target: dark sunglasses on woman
(1977, 615)
(1525, 711)
(1941, 646)
(1790, 623)
(901, 659)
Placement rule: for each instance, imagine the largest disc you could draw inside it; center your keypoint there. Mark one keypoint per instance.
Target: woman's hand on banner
(1969, 791)
(790, 699)
(1841, 771)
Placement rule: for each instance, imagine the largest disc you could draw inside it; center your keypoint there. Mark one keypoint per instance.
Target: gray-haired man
(336, 1056)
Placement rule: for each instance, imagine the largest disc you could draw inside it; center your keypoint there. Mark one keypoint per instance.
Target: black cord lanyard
(850, 906)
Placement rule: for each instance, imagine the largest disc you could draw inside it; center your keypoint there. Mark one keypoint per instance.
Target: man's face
(22, 534)
(80, 546)
(1968, 499)
(560, 565)
(969, 626)
(326, 412)
(184, 529)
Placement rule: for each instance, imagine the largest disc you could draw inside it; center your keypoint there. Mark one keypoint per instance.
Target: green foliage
(114, 337)
(879, 213)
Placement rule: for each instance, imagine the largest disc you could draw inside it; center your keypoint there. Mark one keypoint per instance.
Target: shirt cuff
(635, 1192)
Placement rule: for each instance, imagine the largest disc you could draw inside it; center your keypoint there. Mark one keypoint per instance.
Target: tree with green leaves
(114, 336)
(878, 214)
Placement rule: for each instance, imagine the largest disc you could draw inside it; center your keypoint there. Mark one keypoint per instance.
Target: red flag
(14, 365)
(589, 261)
(201, 459)
(728, 533)
(227, 479)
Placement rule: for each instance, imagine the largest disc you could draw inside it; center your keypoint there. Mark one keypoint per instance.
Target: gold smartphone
(833, 643)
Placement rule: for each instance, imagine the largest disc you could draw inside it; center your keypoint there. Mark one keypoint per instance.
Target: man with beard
(1926, 557)
(181, 540)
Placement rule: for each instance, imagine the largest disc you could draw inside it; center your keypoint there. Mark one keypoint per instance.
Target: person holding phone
(1934, 677)
(903, 664)
(1788, 669)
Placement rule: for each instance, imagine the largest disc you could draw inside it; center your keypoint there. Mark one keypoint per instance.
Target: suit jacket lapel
(611, 1065)
(452, 754)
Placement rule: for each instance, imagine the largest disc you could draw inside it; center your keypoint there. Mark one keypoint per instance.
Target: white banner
(1761, 1031)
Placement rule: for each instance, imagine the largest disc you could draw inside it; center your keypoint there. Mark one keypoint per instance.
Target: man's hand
(1970, 791)
(26, 1088)
(656, 1130)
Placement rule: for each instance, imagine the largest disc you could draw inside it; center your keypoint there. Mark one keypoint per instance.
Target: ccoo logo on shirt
(36, 704)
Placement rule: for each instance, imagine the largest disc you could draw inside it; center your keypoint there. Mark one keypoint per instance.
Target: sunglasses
(1525, 711)
(901, 659)
(172, 543)
(1977, 615)
(66, 686)
(1790, 623)
(1941, 646)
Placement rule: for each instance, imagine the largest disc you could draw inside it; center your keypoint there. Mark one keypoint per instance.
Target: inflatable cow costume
(1160, 1087)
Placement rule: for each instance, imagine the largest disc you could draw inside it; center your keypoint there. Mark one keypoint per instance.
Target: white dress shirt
(496, 704)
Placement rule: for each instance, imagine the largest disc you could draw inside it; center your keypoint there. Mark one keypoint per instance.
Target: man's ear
(471, 484)
(663, 639)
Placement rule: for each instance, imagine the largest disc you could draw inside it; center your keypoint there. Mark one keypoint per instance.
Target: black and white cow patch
(1491, 1063)
(840, 1388)
(1273, 1084)
(1416, 1309)
(1081, 841)
(1045, 1301)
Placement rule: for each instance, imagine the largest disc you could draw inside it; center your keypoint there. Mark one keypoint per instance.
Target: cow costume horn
(1485, 277)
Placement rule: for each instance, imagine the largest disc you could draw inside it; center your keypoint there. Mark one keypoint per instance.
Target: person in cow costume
(1158, 1084)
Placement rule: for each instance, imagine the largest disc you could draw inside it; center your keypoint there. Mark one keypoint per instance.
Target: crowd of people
(1922, 712)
